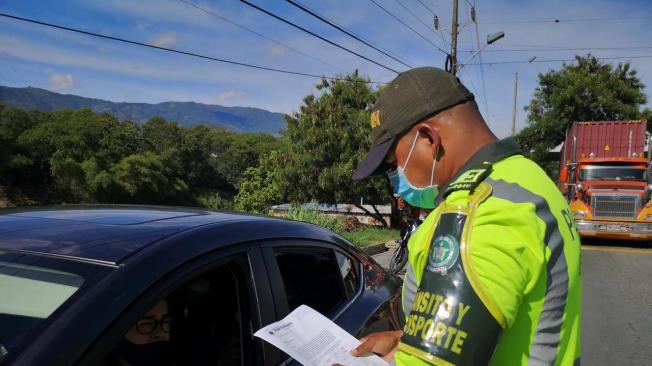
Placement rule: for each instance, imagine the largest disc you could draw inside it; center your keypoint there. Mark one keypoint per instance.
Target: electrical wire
(123, 40)
(216, 15)
(561, 49)
(427, 8)
(556, 60)
(342, 29)
(439, 32)
(407, 26)
(417, 18)
(414, 15)
(521, 21)
(482, 78)
(315, 35)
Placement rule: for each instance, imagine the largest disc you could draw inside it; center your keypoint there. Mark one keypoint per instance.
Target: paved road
(616, 304)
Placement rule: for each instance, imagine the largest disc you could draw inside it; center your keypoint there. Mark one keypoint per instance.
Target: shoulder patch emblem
(444, 252)
(375, 119)
(470, 179)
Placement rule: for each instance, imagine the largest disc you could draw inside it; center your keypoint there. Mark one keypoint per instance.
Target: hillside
(240, 119)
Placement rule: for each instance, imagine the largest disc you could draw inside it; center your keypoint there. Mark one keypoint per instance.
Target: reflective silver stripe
(409, 289)
(543, 350)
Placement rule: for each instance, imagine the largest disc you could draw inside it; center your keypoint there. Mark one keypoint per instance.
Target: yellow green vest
(501, 260)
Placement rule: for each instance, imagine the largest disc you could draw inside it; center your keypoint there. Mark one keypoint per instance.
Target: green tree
(321, 146)
(261, 185)
(143, 178)
(13, 162)
(587, 90)
(240, 152)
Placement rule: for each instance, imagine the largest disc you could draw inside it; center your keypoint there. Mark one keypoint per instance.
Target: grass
(315, 217)
(370, 236)
(363, 237)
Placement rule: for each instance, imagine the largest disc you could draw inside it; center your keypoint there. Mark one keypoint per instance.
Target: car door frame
(260, 298)
(276, 281)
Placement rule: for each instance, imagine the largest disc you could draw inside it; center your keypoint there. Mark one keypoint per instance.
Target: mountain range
(238, 119)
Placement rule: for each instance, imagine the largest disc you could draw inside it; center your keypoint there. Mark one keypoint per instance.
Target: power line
(417, 18)
(315, 35)
(482, 78)
(557, 60)
(427, 8)
(439, 32)
(99, 35)
(343, 30)
(407, 26)
(561, 49)
(521, 21)
(214, 14)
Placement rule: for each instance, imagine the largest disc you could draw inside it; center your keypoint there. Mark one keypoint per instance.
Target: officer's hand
(384, 344)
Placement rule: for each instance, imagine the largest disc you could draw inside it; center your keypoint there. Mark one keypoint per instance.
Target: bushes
(82, 157)
(300, 213)
(362, 236)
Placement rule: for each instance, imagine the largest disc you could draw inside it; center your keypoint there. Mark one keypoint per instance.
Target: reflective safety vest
(493, 275)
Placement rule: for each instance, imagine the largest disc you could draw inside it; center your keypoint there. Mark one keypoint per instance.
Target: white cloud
(230, 95)
(166, 39)
(60, 81)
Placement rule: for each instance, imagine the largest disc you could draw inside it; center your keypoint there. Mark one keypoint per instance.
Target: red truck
(605, 175)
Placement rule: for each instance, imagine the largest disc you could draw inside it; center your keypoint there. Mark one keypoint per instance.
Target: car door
(312, 273)
(323, 276)
(215, 302)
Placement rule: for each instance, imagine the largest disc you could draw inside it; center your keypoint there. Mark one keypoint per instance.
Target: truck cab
(606, 178)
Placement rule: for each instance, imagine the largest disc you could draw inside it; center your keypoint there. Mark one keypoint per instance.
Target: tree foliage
(586, 90)
(321, 146)
(261, 185)
(80, 156)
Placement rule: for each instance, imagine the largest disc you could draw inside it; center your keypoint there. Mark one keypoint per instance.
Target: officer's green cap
(411, 97)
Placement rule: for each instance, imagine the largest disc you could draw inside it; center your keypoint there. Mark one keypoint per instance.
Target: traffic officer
(493, 275)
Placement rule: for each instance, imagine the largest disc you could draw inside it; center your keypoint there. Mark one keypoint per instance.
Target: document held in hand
(313, 339)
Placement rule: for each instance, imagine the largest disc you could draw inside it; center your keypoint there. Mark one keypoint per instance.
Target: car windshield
(33, 288)
(612, 173)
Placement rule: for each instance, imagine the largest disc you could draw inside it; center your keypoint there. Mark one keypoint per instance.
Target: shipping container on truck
(605, 175)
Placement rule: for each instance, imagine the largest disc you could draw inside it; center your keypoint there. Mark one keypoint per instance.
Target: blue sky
(32, 55)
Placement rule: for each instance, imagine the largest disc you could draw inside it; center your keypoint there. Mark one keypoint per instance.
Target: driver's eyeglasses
(148, 325)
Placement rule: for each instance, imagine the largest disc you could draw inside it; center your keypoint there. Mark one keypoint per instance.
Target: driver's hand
(384, 344)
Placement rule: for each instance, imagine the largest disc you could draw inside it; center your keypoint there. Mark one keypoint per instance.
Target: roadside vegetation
(78, 156)
(360, 235)
(81, 157)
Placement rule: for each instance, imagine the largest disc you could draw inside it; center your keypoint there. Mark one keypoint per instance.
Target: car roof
(109, 234)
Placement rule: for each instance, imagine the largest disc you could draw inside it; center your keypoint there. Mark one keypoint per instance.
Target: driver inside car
(148, 340)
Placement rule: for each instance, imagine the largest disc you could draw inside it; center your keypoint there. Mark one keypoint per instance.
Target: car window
(209, 323)
(349, 273)
(312, 277)
(32, 288)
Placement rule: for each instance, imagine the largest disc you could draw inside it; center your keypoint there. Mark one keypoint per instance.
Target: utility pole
(514, 109)
(453, 54)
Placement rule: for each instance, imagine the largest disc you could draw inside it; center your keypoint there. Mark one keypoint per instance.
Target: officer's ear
(428, 131)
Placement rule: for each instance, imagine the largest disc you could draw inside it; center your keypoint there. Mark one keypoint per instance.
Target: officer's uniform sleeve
(504, 253)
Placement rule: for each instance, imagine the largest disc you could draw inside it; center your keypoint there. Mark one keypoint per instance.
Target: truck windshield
(612, 173)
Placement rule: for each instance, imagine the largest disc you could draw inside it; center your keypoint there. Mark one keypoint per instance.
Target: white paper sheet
(314, 340)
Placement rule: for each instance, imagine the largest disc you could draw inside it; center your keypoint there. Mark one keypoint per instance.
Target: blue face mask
(418, 197)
